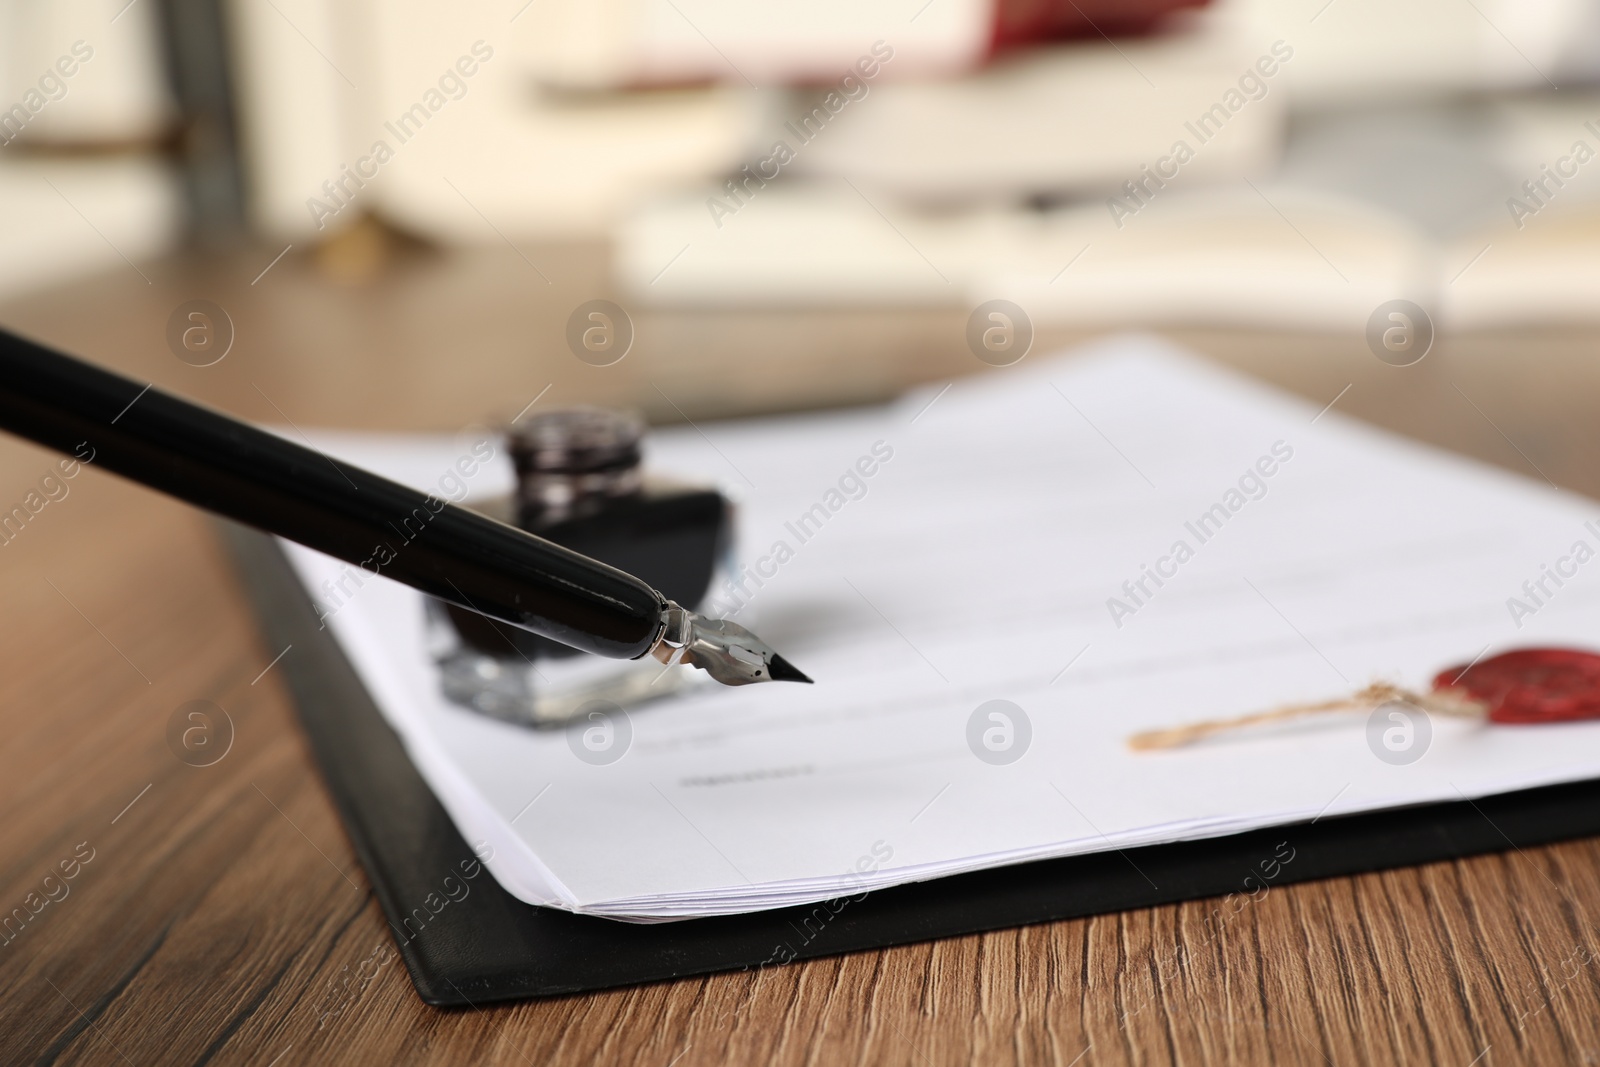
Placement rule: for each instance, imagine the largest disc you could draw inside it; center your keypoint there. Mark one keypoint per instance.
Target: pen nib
(784, 671)
(725, 650)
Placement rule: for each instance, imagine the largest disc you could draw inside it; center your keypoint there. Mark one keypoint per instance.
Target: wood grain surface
(221, 916)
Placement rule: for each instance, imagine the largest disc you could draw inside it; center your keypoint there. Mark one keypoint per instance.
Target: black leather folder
(467, 941)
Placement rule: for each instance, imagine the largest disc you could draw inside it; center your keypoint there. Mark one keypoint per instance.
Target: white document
(1001, 549)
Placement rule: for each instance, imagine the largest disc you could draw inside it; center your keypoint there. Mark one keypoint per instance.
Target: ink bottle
(581, 483)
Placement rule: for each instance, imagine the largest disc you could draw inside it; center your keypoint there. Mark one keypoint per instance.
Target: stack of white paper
(1000, 549)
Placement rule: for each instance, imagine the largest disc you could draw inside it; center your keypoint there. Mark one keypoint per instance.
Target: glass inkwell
(580, 483)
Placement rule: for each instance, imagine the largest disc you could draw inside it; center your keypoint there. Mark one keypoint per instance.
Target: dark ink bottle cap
(574, 460)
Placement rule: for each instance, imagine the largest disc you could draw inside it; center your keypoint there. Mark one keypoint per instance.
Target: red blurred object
(1532, 685)
(1024, 22)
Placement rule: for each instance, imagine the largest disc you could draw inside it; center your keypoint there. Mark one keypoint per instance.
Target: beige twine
(1441, 702)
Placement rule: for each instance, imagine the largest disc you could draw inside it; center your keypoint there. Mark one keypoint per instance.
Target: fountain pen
(450, 552)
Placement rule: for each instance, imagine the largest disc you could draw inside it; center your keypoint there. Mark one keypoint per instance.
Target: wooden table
(221, 917)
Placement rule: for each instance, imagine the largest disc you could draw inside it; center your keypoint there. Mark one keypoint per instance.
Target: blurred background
(400, 205)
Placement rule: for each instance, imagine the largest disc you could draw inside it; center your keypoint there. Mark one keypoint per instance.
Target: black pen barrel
(262, 480)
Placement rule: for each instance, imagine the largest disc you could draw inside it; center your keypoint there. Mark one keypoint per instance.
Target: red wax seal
(1532, 685)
